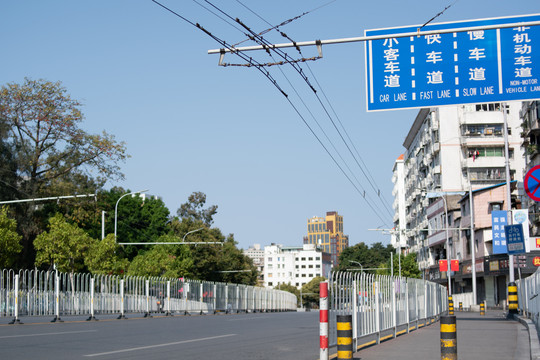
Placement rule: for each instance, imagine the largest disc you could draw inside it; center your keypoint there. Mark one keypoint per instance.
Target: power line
(266, 73)
(260, 40)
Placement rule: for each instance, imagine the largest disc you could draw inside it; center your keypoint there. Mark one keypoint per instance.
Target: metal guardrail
(382, 306)
(528, 297)
(41, 293)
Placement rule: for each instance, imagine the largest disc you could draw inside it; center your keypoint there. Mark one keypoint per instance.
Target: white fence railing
(528, 297)
(39, 293)
(382, 306)
(466, 300)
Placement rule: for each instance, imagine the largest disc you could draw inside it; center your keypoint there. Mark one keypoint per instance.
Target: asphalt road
(288, 335)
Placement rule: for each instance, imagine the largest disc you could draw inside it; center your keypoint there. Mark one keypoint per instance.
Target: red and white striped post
(323, 320)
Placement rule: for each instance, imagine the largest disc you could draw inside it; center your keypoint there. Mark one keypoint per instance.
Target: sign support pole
(508, 190)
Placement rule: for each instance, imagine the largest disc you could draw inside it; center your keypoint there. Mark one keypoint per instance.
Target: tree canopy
(194, 209)
(44, 152)
(368, 257)
(10, 245)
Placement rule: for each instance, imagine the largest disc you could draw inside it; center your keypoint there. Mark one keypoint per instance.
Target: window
(303, 275)
(318, 258)
(297, 284)
(311, 266)
(303, 259)
(269, 275)
(303, 266)
(269, 259)
(318, 266)
(310, 275)
(296, 275)
(310, 259)
(270, 284)
(297, 266)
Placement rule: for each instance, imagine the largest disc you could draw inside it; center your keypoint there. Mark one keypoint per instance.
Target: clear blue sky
(144, 75)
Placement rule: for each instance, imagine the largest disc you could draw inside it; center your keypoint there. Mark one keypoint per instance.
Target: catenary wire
(261, 41)
(274, 82)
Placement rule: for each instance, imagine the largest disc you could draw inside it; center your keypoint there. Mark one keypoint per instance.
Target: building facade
(327, 234)
(449, 150)
(294, 265)
(256, 254)
(398, 192)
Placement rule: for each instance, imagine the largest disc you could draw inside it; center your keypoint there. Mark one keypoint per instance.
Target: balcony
(483, 162)
(483, 117)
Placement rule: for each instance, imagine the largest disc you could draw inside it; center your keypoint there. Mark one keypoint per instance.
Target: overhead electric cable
(274, 82)
(261, 41)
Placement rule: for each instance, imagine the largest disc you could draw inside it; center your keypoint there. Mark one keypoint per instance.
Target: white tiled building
(257, 255)
(294, 265)
(448, 148)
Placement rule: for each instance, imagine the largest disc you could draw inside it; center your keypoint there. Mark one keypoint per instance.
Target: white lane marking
(47, 334)
(250, 318)
(159, 345)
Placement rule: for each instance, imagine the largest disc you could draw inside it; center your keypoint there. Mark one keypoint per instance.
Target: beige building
(327, 234)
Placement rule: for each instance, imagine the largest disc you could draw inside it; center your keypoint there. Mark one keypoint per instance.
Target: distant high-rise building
(257, 255)
(327, 234)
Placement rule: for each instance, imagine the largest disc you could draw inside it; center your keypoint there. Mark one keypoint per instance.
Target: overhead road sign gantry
(460, 66)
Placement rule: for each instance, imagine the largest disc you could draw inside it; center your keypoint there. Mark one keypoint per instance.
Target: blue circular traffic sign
(532, 183)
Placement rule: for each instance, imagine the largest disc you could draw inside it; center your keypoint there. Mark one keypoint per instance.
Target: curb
(534, 342)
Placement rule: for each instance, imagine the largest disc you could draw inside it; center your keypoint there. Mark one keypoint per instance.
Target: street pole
(116, 209)
(508, 190)
(102, 225)
(447, 247)
(473, 245)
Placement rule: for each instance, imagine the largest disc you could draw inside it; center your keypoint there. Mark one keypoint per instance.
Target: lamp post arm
(189, 232)
(116, 209)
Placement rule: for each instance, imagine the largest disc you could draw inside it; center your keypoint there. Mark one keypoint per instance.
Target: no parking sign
(532, 183)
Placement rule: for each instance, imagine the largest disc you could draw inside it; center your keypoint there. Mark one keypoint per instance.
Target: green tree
(409, 267)
(194, 209)
(310, 292)
(10, 245)
(369, 257)
(138, 220)
(40, 129)
(102, 257)
(164, 260)
(64, 244)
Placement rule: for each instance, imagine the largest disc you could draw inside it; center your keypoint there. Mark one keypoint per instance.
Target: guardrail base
(16, 322)
(57, 319)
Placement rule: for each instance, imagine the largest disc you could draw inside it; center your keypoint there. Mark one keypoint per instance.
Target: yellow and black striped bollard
(450, 306)
(483, 308)
(460, 306)
(512, 297)
(448, 338)
(344, 337)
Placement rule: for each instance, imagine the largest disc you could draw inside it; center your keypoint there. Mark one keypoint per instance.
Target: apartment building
(294, 265)
(256, 254)
(530, 132)
(448, 150)
(327, 234)
(398, 239)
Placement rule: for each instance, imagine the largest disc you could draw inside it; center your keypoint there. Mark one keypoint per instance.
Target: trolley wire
(267, 74)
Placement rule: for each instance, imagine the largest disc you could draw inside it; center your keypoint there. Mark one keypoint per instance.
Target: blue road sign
(532, 183)
(453, 68)
(515, 239)
(499, 219)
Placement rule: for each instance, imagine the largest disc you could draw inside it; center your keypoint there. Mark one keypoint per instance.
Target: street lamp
(189, 232)
(356, 262)
(116, 209)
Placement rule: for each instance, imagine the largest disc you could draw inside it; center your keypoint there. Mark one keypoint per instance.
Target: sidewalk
(478, 337)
